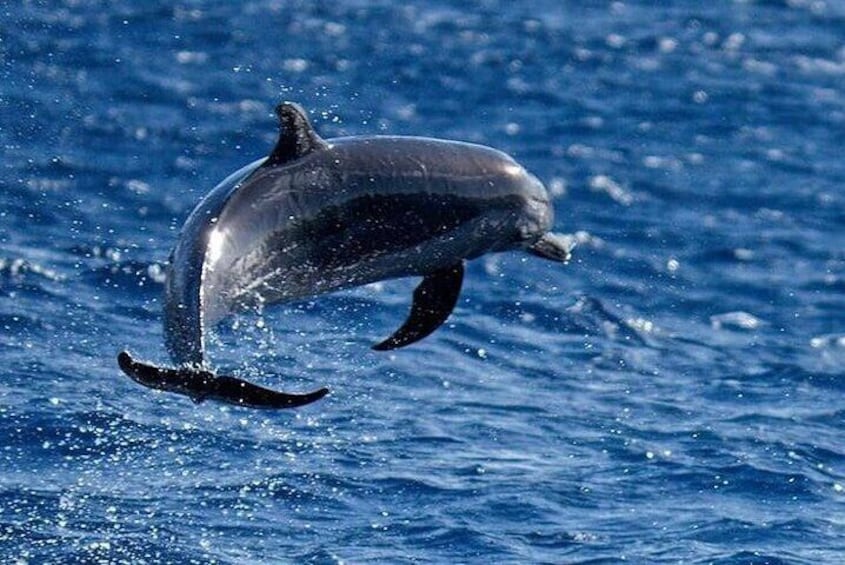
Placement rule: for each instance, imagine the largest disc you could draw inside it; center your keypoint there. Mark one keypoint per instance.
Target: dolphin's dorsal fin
(297, 137)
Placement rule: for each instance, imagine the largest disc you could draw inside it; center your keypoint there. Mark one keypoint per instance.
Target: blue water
(676, 394)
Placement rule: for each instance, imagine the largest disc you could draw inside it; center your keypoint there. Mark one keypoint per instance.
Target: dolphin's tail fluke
(199, 385)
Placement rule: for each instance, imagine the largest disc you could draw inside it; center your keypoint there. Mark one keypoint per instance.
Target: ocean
(674, 394)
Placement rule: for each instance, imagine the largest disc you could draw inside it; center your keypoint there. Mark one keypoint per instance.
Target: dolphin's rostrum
(319, 215)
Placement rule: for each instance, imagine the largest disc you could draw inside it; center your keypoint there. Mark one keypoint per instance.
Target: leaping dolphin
(319, 215)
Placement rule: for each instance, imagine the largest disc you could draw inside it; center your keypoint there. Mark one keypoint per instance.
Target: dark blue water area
(674, 394)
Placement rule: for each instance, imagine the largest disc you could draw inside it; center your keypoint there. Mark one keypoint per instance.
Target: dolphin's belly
(364, 239)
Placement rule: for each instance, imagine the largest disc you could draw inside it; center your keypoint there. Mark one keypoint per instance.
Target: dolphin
(319, 215)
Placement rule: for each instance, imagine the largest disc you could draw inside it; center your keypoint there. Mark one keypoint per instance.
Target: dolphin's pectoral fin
(434, 300)
(553, 246)
(202, 385)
